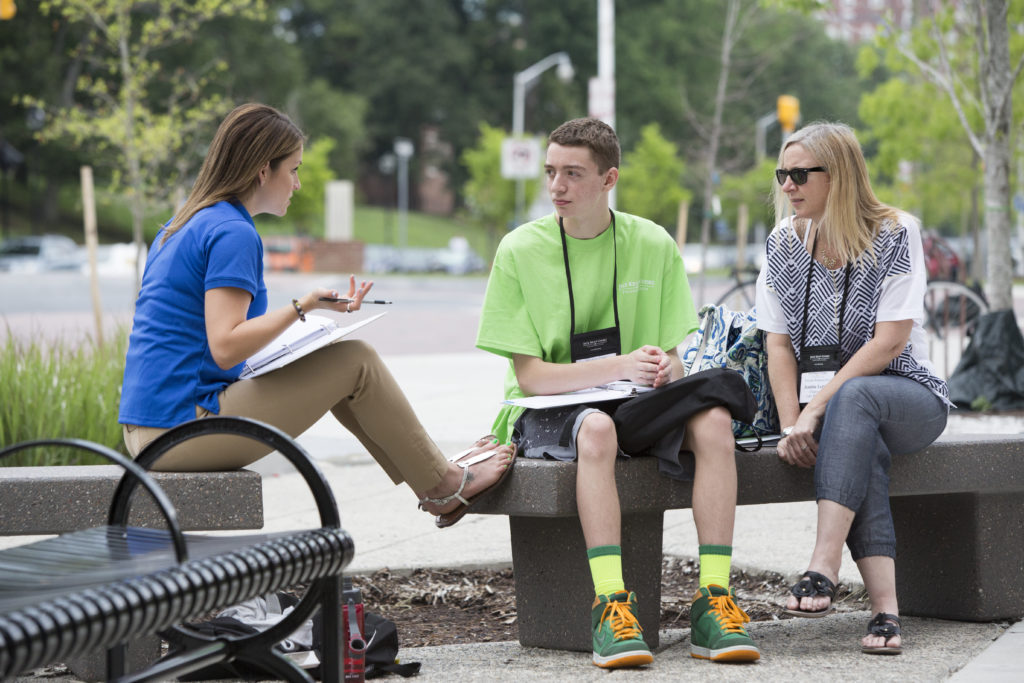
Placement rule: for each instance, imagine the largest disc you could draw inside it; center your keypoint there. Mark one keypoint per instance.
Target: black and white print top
(889, 287)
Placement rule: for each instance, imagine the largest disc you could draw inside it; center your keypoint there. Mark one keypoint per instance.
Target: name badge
(818, 365)
(593, 345)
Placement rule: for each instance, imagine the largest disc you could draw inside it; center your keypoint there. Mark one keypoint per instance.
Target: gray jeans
(867, 421)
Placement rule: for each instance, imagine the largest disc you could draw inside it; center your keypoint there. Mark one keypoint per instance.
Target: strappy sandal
(811, 585)
(449, 518)
(887, 626)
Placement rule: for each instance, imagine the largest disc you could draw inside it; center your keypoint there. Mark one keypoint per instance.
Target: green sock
(606, 569)
(715, 562)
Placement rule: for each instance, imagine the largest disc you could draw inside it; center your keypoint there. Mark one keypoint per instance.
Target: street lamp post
(403, 150)
(522, 81)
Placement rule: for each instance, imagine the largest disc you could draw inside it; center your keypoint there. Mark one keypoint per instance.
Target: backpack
(731, 340)
(380, 636)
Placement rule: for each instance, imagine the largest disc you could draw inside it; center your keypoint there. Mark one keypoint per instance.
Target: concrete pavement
(456, 397)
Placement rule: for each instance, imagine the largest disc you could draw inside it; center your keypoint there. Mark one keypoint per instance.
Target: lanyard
(807, 298)
(568, 275)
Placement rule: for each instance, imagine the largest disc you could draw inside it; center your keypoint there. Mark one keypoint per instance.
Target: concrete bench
(958, 508)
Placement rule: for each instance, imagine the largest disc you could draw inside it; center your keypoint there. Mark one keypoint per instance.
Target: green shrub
(61, 390)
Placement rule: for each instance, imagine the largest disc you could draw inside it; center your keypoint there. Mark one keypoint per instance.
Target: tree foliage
(490, 198)
(651, 179)
(972, 62)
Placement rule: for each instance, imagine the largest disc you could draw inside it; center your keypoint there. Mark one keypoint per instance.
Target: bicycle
(741, 295)
(952, 310)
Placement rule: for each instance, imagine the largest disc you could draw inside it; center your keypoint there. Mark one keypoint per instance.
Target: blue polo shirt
(169, 369)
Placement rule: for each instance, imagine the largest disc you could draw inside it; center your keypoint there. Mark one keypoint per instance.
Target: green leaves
(651, 179)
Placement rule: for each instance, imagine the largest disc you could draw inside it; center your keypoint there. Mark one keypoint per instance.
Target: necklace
(827, 259)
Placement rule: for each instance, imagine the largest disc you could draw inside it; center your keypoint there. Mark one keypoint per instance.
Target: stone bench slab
(59, 499)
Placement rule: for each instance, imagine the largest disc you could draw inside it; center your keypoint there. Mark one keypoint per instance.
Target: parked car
(37, 253)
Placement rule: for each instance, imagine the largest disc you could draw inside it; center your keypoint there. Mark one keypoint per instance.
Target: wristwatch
(787, 430)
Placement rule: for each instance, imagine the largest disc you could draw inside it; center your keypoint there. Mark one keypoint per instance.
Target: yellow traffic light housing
(787, 110)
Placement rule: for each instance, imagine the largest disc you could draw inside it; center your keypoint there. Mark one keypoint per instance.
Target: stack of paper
(300, 339)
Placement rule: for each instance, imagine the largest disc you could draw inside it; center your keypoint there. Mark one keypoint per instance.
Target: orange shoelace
(624, 623)
(728, 614)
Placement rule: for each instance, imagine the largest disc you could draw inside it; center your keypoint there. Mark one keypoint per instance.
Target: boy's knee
(596, 435)
(713, 423)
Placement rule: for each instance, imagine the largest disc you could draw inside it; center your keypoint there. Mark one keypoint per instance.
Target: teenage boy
(589, 284)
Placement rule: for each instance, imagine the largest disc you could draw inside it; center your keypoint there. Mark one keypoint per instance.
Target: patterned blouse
(878, 291)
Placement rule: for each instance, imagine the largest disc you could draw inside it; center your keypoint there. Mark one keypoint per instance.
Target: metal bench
(99, 588)
(958, 507)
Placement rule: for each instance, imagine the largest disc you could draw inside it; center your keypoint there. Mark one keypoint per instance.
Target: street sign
(601, 98)
(520, 158)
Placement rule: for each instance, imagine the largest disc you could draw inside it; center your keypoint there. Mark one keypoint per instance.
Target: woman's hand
(800, 448)
(355, 296)
(648, 365)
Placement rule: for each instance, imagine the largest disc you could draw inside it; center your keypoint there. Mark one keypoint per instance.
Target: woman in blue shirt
(202, 311)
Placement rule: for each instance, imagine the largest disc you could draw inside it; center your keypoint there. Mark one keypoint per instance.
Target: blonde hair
(853, 214)
(248, 138)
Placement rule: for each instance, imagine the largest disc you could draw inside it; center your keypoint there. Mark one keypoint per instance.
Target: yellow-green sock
(715, 563)
(606, 569)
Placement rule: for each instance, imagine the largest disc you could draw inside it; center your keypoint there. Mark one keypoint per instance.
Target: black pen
(335, 300)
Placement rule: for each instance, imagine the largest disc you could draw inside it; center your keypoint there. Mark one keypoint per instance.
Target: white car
(37, 253)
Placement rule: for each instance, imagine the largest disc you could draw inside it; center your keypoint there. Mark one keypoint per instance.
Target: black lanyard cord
(568, 275)
(807, 299)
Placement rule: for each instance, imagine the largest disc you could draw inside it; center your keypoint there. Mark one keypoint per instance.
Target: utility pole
(602, 88)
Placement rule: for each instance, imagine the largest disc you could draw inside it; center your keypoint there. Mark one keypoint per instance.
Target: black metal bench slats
(34, 631)
(99, 588)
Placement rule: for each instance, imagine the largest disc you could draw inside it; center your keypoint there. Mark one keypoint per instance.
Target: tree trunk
(728, 40)
(998, 114)
(999, 289)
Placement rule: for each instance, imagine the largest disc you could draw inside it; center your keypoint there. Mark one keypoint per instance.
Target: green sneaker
(618, 638)
(716, 628)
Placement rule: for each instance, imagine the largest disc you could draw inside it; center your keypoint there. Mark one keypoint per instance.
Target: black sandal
(887, 626)
(813, 584)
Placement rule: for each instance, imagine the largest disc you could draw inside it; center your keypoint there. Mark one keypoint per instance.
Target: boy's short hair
(595, 135)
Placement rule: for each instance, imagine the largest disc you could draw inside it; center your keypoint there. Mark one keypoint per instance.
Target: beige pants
(349, 379)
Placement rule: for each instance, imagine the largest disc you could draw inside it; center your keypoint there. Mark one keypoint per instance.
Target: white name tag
(813, 382)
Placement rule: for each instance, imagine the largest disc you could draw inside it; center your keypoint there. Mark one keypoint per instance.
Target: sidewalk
(390, 532)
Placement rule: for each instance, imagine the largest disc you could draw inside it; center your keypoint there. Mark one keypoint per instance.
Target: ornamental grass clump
(56, 389)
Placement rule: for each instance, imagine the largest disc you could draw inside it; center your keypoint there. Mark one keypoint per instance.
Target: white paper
(604, 392)
(300, 339)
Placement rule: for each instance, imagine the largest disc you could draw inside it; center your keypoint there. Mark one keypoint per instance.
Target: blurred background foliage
(356, 74)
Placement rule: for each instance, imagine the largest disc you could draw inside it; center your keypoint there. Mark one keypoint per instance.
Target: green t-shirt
(526, 307)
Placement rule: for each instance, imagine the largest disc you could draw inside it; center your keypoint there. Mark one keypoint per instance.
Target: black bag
(381, 639)
(643, 421)
(654, 423)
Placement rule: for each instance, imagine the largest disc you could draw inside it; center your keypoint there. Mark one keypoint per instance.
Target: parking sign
(520, 158)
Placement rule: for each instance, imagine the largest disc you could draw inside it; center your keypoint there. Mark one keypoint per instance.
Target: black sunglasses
(799, 175)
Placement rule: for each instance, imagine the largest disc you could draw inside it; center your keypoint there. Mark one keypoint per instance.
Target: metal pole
(522, 81)
(403, 150)
(606, 60)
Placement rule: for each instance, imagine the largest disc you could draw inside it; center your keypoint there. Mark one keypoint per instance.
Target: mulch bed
(452, 606)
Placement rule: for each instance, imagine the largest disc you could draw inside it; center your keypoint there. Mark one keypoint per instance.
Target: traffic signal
(787, 109)
(7, 9)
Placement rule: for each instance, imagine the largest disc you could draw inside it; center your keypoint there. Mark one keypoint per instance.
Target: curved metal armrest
(133, 473)
(239, 426)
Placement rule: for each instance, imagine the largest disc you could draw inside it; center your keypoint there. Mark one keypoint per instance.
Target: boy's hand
(648, 365)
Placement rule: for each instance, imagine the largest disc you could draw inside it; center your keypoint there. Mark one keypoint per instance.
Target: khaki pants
(349, 379)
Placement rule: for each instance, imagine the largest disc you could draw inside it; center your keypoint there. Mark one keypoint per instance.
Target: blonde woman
(841, 300)
(202, 311)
